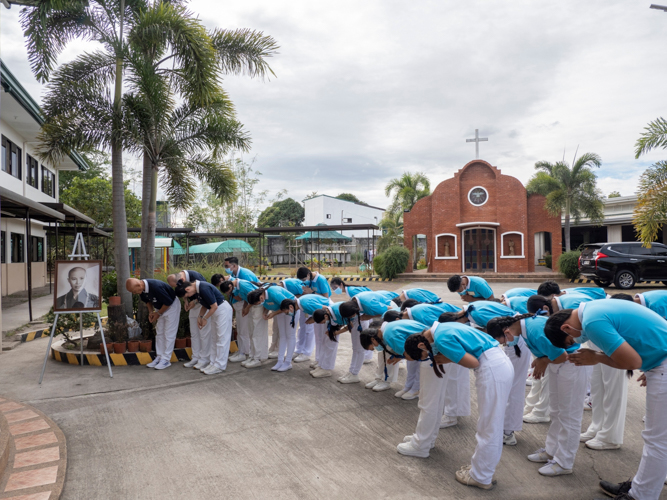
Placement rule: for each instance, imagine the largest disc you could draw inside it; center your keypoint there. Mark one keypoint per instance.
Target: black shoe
(614, 490)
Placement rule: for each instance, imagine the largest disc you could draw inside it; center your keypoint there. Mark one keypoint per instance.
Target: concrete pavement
(259, 434)
(17, 316)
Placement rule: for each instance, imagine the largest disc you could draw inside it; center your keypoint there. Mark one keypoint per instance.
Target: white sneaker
(553, 469)
(529, 382)
(191, 363)
(245, 362)
(314, 365)
(372, 383)
(368, 361)
(201, 365)
(162, 364)
(509, 439)
(400, 393)
(382, 386)
(588, 404)
(273, 355)
(320, 373)
(253, 363)
(275, 367)
(410, 395)
(237, 357)
(407, 439)
(447, 421)
(585, 436)
(530, 418)
(408, 450)
(596, 444)
(285, 366)
(300, 358)
(540, 456)
(350, 378)
(211, 370)
(154, 363)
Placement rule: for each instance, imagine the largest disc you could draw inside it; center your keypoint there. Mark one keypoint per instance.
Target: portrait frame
(92, 286)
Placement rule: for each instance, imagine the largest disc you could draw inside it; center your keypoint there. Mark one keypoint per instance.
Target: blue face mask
(378, 348)
(514, 342)
(338, 291)
(228, 270)
(581, 339)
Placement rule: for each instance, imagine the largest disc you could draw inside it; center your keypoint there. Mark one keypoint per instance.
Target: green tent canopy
(229, 246)
(323, 235)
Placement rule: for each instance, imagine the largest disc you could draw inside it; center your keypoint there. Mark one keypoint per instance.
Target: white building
(331, 211)
(28, 190)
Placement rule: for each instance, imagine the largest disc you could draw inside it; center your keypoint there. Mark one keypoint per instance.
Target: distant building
(331, 211)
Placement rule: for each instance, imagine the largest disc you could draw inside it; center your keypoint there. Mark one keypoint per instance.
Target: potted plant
(183, 329)
(117, 328)
(147, 335)
(132, 345)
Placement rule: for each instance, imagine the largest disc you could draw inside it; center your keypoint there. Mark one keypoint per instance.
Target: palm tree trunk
(147, 224)
(567, 226)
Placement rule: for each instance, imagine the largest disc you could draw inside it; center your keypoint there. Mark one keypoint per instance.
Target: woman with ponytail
(338, 286)
(305, 339)
(567, 388)
(371, 340)
(482, 311)
(462, 344)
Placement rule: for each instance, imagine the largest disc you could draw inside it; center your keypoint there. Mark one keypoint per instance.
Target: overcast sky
(367, 90)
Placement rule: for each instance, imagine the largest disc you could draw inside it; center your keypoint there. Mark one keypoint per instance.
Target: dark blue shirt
(193, 276)
(158, 293)
(208, 294)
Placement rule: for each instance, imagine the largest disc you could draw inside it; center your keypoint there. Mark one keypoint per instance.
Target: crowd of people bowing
(576, 347)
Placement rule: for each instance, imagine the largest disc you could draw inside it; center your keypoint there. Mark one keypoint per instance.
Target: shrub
(378, 264)
(421, 264)
(394, 261)
(548, 260)
(109, 286)
(568, 264)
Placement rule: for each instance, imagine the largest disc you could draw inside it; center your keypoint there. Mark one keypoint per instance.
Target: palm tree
(651, 210)
(571, 192)
(407, 190)
(392, 230)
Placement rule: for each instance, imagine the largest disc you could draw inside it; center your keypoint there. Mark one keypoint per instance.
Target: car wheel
(625, 279)
(602, 283)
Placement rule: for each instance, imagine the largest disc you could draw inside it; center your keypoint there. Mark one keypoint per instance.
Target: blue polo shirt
(656, 301)
(208, 294)
(427, 314)
(532, 331)
(592, 291)
(481, 312)
(454, 340)
(572, 300)
(422, 295)
(319, 285)
(157, 293)
(373, 303)
(609, 323)
(193, 276)
(477, 287)
(310, 303)
(395, 334)
(274, 297)
(353, 290)
(242, 288)
(293, 285)
(334, 314)
(518, 304)
(245, 274)
(519, 292)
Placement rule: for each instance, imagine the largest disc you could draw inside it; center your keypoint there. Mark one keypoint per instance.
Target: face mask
(228, 270)
(378, 348)
(338, 291)
(581, 339)
(514, 342)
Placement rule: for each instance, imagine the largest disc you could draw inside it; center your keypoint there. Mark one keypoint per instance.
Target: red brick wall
(541, 220)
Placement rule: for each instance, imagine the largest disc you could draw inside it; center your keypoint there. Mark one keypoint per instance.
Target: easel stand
(78, 252)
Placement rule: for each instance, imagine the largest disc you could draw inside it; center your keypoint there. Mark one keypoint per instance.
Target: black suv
(623, 263)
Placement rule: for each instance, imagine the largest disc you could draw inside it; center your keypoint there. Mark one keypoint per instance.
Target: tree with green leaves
(614, 194)
(651, 210)
(350, 197)
(570, 191)
(392, 230)
(406, 191)
(287, 212)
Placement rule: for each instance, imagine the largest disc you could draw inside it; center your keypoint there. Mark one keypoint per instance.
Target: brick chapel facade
(481, 221)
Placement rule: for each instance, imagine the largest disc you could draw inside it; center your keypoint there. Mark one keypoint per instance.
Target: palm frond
(653, 136)
(244, 51)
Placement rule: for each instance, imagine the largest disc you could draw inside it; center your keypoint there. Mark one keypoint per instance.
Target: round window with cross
(478, 196)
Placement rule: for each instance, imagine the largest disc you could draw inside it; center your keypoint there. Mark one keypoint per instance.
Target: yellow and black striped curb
(638, 284)
(125, 359)
(344, 278)
(38, 334)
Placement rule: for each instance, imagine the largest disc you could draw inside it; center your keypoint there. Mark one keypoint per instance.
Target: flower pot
(132, 345)
(188, 341)
(180, 343)
(119, 347)
(109, 348)
(145, 345)
(114, 301)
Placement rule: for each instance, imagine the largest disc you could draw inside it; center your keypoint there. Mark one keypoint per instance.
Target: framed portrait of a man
(78, 286)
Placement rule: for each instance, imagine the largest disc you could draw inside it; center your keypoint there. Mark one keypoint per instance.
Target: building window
(347, 221)
(328, 216)
(33, 171)
(16, 247)
(11, 158)
(478, 196)
(37, 244)
(445, 246)
(4, 246)
(48, 180)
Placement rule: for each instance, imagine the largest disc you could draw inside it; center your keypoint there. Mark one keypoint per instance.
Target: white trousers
(368, 355)
(327, 349)
(275, 335)
(242, 329)
(649, 480)
(609, 395)
(457, 392)
(537, 400)
(201, 339)
(392, 370)
(514, 410)
(358, 352)
(412, 380)
(166, 329)
(306, 339)
(567, 390)
(259, 333)
(431, 406)
(493, 381)
(286, 335)
(220, 327)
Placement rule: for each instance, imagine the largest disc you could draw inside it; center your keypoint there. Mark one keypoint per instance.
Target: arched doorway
(479, 250)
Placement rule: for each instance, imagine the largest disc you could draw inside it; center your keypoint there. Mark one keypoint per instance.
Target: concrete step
(490, 277)
(8, 345)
